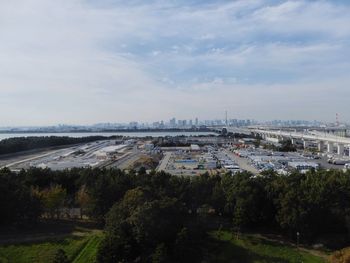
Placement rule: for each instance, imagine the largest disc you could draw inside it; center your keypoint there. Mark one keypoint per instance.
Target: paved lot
(324, 164)
(243, 163)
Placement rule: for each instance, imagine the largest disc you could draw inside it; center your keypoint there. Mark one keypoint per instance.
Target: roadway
(125, 161)
(311, 135)
(164, 162)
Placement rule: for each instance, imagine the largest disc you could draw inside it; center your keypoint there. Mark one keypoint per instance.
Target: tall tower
(337, 119)
(226, 122)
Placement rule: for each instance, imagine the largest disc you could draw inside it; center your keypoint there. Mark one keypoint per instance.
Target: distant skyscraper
(173, 122)
(156, 124)
(133, 125)
(196, 122)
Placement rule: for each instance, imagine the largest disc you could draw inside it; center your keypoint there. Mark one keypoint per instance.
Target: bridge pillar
(340, 149)
(306, 144)
(330, 147)
(320, 146)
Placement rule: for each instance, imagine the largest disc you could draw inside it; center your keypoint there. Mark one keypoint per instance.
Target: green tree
(287, 146)
(83, 199)
(52, 198)
(139, 224)
(60, 257)
(18, 204)
(218, 198)
(160, 254)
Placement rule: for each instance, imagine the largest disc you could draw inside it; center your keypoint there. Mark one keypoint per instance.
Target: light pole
(298, 235)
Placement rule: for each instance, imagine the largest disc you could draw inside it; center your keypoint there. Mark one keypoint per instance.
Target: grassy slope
(249, 249)
(78, 249)
(88, 253)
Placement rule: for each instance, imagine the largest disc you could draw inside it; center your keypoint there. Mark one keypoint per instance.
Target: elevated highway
(330, 141)
(315, 136)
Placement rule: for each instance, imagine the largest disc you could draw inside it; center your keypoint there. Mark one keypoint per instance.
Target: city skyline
(181, 123)
(88, 61)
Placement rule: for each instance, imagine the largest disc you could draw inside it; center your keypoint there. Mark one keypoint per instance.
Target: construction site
(127, 154)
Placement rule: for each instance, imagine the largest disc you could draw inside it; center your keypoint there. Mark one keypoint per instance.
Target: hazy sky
(88, 61)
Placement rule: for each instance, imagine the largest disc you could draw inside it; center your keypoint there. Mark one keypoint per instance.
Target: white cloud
(84, 62)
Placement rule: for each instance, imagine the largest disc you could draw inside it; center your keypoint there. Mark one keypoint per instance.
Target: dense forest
(162, 218)
(13, 145)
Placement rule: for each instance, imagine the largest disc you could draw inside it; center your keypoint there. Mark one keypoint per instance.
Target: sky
(93, 61)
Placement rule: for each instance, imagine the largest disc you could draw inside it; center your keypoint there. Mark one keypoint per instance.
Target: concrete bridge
(325, 141)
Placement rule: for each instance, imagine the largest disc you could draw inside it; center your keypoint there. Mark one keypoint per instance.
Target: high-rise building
(156, 124)
(133, 125)
(172, 122)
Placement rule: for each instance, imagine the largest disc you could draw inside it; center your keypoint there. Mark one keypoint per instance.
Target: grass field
(252, 249)
(223, 249)
(88, 253)
(79, 249)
